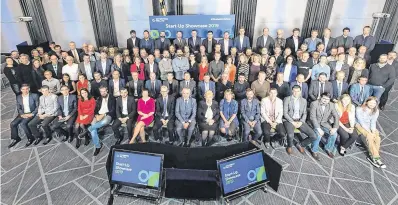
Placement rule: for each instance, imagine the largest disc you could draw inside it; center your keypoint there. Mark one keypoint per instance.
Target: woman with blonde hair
(243, 66)
(357, 70)
(228, 112)
(230, 69)
(348, 133)
(366, 116)
(208, 116)
(254, 68)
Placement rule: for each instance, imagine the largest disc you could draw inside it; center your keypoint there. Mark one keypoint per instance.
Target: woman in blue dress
(228, 112)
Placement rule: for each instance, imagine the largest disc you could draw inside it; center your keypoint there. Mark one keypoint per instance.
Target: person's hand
(211, 122)
(333, 131)
(186, 125)
(274, 124)
(23, 115)
(350, 130)
(144, 116)
(320, 131)
(85, 116)
(254, 123)
(227, 124)
(299, 124)
(66, 118)
(59, 117)
(42, 116)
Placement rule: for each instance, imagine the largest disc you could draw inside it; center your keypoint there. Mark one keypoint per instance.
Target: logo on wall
(149, 178)
(155, 34)
(258, 174)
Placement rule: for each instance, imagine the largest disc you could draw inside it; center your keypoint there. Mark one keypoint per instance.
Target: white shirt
(25, 102)
(241, 40)
(326, 44)
(103, 64)
(338, 66)
(133, 39)
(151, 68)
(295, 43)
(265, 39)
(87, 68)
(194, 40)
(286, 73)
(104, 106)
(72, 71)
(226, 46)
(124, 104)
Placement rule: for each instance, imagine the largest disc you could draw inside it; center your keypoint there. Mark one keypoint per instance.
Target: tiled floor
(58, 173)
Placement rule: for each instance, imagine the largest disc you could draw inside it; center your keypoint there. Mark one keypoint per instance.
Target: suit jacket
(205, 43)
(140, 85)
(323, 118)
(131, 107)
(33, 104)
(288, 109)
(72, 105)
(192, 87)
(365, 72)
(147, 68)
(153, 93)
(58, 74)
(174, 86)
(166, 44)
(149, 45)
(111, 106)
(355, 93)
(185, 111)
(344, 90)
(180, 44)
(245, 43)
(290, 43)
(248, 113)
(171, 103)
(79, 51)
(196, 47)
(98, 68)
(314, 89)
(202, 108)
(230, 45)
(345, 68)
(260, 43)
(83, 70)
(111, 86)
(304, 88)
(131, 44)
(340, 42)
(330, 45)
(212, 87)
(293, 72)
(265, 111)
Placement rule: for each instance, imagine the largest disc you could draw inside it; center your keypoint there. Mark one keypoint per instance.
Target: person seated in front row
(186, 116)
(321, 111)
(116, 84)
(208, 117)
(340, 87)
(125, 114)
(295, 115)
(228, 113)
(85, 115)
(348, 133)
(46, 113)
(172, 85)
(104, 114)
(205, 86)
(271, 116)
(300, 81)
(250, 111)
(135, 86)
(164, 115)
(366, 116)
(360, 91)
(146, 111)
(319, 86)
(27, 107)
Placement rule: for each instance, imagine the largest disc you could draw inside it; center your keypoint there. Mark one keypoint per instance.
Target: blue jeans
(330, 142)
(93, 129)
(377, 91)
(257, 131)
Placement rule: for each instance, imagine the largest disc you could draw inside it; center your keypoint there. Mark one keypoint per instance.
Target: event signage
(186, 23)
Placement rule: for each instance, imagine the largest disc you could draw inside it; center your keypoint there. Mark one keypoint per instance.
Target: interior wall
(207, 7)
(12, 31)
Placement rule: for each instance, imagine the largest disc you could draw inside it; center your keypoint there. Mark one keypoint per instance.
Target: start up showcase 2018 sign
(186, 23)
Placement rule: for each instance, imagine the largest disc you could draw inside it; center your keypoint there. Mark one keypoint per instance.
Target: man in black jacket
(240, 87)
(294, 42)
(55, 67)
(96, 84)
(135, 86)
(133, 41)
(125, 114)
(165, 115)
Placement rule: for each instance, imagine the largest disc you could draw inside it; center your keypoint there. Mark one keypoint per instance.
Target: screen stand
(262, 186)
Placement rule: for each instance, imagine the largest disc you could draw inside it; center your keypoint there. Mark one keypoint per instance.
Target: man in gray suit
(188, 83)
(327, 40)
(319, 86)
(87, 67)
(179, 42)
(295, 115)
(339, 65)
(321, 112)
(250, 111)
(265, 41)
(365, 39)
(344, 40)
(185, 114)
(162, 43)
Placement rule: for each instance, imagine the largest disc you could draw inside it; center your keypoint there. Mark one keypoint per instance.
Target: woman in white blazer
(348, 133)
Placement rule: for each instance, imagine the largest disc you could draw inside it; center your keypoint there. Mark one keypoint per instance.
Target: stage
(58, 173)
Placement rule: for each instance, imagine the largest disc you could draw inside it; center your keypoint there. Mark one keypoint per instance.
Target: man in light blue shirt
(313, 41)
(180, 65)
(321, 67)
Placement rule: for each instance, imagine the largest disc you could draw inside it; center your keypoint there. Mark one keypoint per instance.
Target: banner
(186, 23)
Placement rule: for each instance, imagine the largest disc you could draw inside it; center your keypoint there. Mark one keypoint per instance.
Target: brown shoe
(329, 154)
(289, 150)
(315, 156)
(300, 148)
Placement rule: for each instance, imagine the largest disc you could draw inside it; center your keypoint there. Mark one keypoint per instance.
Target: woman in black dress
(71, 85)
(12, 75)
(208, 115)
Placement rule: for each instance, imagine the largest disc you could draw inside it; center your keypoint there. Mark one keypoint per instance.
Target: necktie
(153, 86)
(164, 107)
(361, 94)
(206, 86)
(76, 56)
(66, 108)
(194, 39)
(55, 68)
(187, 84)
(320, 90)
(339, 90)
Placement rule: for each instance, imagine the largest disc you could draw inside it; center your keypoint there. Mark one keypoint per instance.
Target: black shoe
(83, 133)
(119, 140)
(48, 139)
(381, 107)
(86, 140)
(78, 143)
(65, 139)
(229, 138)
(14, 142)
(97, 151)
(267, 145)
(70, 139)
(37, 141)
(29, 142)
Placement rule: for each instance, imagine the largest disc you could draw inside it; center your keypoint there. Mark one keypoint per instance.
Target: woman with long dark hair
(85, 115)
(67, 82)
(348, 133)
(11, 73)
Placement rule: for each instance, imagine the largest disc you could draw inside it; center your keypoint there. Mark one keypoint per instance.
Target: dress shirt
(265, 40)
(151, 67)
(87, 68)
(194, 40)
(76, 56)
(339, 88)
(55, 67)
(326, 44)
(366, 119)
(296, 108)
(296, 43)
(135, 88)
(321, 89)
(103, 64)
(241, 40)
(165, 114)
(124, 104)
(66, 106)
(286, 73)
(339, 65)
(133, 39)
(206, 86)
(25, 102)
(104, 106)
(226, 46)
(116, 89)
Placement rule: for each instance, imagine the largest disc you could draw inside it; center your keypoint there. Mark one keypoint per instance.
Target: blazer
(324, 118)
(196, 47)
(351, 114)
(33, 104)
(265, 110)
(230, 45)
(290, 43)
(344, 90)
(185, 112)
(72, 105)
(180, 44)
(171, 103)
(58, 74)
(340, 42)
(314, 89)
(355, 93)
(365, 72)
(330, 45)
(166, 44)
(288, 109)
(345, 68)
(82, 70)
(202, 89)
(202, 108)
(293, 72)
(248, 113)
(131, 44)
(79, 51)
(140, 85)
(149, 45)
(147, 68)
(111, 106)
(153, 93)
(111, 86)
(304, 88)
(174, 85)
(192, 87)
(245, 43)
(131, 107)
(260, 43)
(98, 68)
(205, 43)
(369, 44)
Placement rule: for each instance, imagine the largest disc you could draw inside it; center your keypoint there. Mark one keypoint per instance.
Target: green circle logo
(154, 34)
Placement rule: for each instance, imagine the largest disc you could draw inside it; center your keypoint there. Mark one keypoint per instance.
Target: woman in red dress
(138, 67)
(82, 83)
(85, 115)
(145, 110)
(203, 68)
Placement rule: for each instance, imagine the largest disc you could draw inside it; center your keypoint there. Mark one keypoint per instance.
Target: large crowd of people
(321, 87)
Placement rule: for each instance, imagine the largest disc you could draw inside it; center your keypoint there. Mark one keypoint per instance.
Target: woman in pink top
(145, 110)
(138, 67)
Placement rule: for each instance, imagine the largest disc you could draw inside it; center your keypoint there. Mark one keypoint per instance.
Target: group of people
(222, 87)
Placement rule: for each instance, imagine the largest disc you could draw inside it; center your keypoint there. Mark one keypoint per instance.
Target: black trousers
(280, 130)
(45, 123)
(23, 122)
(57, 126)
(305, 128)
(384, 96)
(347, 139)
(116, 125)
(157, 127)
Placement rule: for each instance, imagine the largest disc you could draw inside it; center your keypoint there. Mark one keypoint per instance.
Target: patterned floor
(58, 173)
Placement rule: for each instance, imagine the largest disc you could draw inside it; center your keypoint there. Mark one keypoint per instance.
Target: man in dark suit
(194, 42)
(103, 66)
(75, 52)
(188, 83)
(67, 112)
(319, 86)
(300, 81)
(96, 84)
(345, 40)
(209, 42)
(172, 85)
(206, 85)
(55, 67)
(133, 41)
(116, 84)
(294, 42)
(15, 58)
(241, 42)
(179, 42)
(328, 41)
(147, 43)
(87, 67)
(226, 44)
(151, 67)
(162, 43)
(165, 115)
(125, 114)
(265, 41)
(340, 86)
(153, 86)
(135, 86)
(27, 107)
